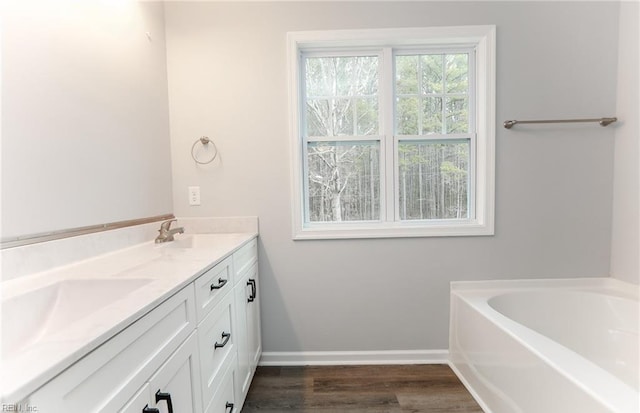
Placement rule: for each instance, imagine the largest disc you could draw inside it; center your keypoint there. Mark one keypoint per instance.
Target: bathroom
(103, 102)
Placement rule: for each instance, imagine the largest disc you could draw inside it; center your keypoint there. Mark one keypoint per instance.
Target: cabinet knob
(165, 397)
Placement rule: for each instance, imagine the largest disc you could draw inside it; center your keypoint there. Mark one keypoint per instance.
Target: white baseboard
(336, 358)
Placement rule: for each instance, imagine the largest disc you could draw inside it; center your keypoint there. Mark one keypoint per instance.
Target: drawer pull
(254, 293)
(166, 397)
(221, 283)
(228, 406)
(225, 340)
(148, 409)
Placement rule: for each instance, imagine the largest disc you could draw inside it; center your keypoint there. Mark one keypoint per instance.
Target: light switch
(194, 195)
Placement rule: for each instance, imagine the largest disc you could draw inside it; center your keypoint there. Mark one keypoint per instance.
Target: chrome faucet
(166, 233)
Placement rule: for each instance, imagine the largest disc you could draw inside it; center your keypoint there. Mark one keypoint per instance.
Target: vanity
(171, 327)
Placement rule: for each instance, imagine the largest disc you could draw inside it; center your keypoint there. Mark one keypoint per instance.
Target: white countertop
(167, 269)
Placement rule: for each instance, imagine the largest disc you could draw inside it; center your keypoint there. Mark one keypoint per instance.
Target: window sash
(387, 113)
(306, 139)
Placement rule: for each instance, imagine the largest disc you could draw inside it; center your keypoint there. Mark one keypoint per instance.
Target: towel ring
(204, 141)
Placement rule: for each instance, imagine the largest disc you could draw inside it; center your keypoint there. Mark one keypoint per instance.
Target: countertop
(164, 269)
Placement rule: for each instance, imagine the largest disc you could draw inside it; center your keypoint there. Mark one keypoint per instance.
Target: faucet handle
(166, 225)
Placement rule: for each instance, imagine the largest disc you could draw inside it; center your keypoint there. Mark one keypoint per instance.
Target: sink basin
(32, 317)
(192, 241)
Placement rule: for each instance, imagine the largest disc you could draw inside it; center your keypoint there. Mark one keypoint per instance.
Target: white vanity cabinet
(196, 352)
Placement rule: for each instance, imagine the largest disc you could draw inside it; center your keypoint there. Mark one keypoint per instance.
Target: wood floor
(358, 389)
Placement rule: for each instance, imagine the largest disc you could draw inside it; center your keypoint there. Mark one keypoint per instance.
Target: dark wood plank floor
(358, 389)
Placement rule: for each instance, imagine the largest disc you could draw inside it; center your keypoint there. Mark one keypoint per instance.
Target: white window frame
(480, 38)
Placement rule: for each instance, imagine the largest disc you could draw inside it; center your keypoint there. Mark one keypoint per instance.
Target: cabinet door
(254, 339)
(248, 323)
(242, 293)
(175, 387)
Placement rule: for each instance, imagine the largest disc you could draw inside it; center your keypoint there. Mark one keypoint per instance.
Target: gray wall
(85, 122)
(625, 238)
(227, 80)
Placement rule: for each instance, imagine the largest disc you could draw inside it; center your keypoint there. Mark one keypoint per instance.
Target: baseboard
(336, 358)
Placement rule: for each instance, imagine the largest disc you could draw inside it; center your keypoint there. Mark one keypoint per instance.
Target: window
(392, 132)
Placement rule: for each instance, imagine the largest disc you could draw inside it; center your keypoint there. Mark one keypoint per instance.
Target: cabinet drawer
(245, 257)
(212, 286)
(109, 376)
(224, 399)
(217, 345)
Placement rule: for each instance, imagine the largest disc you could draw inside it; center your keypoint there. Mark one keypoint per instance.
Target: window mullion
(387, 110)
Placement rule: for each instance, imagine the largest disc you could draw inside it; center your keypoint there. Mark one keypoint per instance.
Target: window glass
(341, 95)
(433, 179)
(343, 181)
(432, 94)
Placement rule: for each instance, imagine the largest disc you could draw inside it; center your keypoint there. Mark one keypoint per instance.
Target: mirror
(85, 123)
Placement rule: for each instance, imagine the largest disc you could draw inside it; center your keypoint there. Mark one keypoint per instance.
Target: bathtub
(547, 346)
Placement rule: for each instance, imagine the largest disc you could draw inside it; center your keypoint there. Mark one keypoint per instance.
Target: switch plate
(194, 195)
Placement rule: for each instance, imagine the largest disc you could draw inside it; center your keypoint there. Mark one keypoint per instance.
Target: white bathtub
(546, 346)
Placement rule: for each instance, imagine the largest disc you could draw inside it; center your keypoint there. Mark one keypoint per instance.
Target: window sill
(394, 230)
